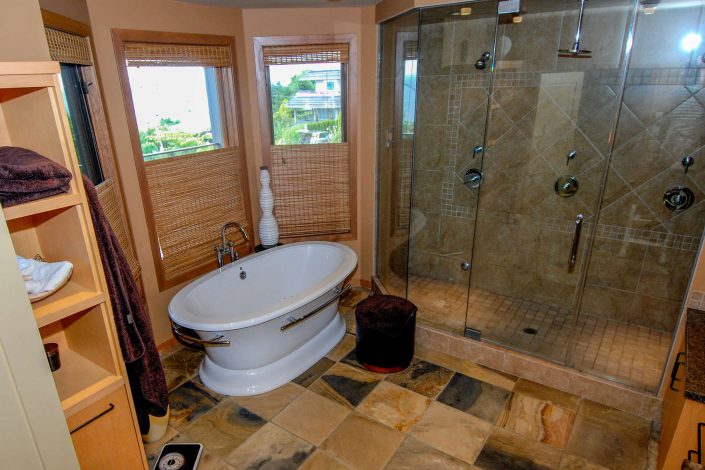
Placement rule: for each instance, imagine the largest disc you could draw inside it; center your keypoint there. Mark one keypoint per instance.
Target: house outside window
(307, 103)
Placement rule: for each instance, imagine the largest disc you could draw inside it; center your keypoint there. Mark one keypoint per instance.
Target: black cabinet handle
(674, 372)
(111, 407)
(698, 452)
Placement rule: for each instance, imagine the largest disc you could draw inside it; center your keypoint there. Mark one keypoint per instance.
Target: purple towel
(144, 369)
(25, 176)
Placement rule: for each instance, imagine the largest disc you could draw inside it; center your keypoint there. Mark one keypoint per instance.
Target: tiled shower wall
(543, 107)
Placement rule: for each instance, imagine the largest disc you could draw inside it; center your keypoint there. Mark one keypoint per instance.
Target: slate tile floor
(442, 412)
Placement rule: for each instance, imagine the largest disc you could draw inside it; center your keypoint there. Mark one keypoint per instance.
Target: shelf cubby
(86, 353)
(59, 235)
(31, 118)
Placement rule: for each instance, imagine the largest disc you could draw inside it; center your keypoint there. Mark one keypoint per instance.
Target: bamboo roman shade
(110, 202)
(175, 55)
(311, 189)
(192, 197)
(68, 48)
(305, 54)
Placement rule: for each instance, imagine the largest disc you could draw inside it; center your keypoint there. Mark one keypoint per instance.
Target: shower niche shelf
(78, 317)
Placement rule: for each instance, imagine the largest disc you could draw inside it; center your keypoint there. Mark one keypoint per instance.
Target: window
(177, 110)
(180, 98)
(308, 133)
(72, 51)
(307, 106)
(75, 89)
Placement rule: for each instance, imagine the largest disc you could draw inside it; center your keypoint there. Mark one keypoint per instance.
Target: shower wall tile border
(523, 366)
(609, 77)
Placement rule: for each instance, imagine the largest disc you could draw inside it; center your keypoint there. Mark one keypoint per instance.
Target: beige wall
(293, 22)
(74, 9)
(22, 32)
(155, 15)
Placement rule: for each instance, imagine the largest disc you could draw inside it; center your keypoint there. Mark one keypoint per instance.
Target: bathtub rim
(180, 315)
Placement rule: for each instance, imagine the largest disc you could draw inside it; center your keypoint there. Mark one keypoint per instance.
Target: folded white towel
(42, 277)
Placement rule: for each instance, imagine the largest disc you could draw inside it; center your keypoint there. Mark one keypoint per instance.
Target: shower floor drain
(530, 331)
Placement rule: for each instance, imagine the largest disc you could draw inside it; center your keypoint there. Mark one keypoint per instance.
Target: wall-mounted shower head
(576, 51)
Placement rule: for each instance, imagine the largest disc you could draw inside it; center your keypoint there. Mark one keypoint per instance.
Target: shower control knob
(678, 198)
(465, 266)
(687, 162)
(481, 63)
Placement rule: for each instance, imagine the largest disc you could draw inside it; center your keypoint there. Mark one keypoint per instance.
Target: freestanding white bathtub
(277, 310)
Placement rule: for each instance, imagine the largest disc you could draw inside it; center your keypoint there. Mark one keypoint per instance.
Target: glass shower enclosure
(541, 174)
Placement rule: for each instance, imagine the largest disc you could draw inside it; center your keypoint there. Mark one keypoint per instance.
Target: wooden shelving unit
(78, 317)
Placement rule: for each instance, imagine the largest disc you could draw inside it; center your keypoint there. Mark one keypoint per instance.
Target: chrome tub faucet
(228, 247)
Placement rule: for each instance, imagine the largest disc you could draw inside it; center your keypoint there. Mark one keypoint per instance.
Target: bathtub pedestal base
(266, 378)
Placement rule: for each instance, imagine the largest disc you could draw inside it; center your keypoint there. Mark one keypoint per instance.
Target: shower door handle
(576, 240)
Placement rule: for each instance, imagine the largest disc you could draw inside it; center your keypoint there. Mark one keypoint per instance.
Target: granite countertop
(695, 355)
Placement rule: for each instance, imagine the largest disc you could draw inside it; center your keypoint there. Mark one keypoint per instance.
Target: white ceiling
(285, 3)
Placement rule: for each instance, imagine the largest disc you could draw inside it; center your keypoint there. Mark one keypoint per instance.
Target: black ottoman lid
(387, 313)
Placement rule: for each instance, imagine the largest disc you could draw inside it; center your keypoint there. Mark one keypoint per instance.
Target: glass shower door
(551, 119)
(397, 115)
(454, 70)
(653, 213)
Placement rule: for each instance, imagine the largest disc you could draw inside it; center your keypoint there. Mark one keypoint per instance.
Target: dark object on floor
(179, 457)
(144, 369)
(26, 176)
(530, 331)
(385, 333)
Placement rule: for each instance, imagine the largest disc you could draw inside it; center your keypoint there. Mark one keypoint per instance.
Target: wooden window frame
(351, 105)
(120, 37)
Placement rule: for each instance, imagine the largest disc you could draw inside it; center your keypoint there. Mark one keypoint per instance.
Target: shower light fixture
(650, 6)
(464, 11)
(690, 42)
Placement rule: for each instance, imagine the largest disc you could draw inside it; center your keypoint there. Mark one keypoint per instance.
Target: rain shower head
(576, 51)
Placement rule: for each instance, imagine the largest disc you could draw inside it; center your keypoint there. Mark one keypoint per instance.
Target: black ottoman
(385, 333)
